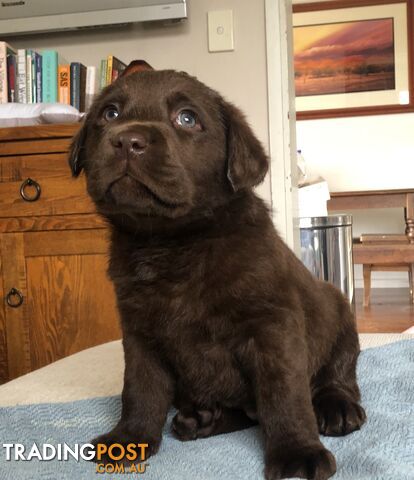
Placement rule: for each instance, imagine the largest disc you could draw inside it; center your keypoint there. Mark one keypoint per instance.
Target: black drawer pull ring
(30, 183)
(14, 298)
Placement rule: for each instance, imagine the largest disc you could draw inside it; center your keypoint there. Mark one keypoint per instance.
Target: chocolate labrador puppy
(219, 317)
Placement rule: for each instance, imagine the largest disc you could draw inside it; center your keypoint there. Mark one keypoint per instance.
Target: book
(77, 85)
(21, 76)
(34, 73)
(114, 68)
(38, 77)
(109, 62)
(5, 49)
(102, 78)
(91, 88)
(64, 84)
(11, 78)
(117, 68)
(29, 77)
(50, 59)
(82, 101)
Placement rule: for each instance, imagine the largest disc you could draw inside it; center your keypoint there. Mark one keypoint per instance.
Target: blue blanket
(382, 450)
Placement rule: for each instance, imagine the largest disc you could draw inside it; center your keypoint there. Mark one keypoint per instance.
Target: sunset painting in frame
(344, 57)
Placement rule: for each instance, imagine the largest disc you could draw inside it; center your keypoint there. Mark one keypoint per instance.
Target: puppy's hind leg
(191, 423)
(335, 393)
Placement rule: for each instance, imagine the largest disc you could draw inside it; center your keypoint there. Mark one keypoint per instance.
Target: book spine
(33, 65)
(3, 72)
(21, 76)
(64, 84)
(11, 78)
(50, 76)
(117, 68)
(29, 86)
(39, 93)
(75, 85)
(109, 67)
(91, 88)
(102, 80)
(82, 87)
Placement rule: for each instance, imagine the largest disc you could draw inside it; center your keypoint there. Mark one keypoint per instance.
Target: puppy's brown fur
(219, 317)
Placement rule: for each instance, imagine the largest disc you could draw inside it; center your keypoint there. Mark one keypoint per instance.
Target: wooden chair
(378, 252)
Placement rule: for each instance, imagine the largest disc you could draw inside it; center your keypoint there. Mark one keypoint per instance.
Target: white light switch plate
(220, 31)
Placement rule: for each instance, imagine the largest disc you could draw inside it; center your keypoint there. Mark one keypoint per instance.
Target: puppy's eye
(110, 113)
(187, 119)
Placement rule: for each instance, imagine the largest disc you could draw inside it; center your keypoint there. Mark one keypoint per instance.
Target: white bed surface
(98, 372)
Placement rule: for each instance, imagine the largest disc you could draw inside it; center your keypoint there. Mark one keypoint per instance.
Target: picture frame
(353, 57)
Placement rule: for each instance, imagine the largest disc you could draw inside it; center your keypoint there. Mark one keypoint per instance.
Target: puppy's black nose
(130, 143)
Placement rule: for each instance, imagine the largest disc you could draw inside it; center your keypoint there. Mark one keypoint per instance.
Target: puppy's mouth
(131, 185)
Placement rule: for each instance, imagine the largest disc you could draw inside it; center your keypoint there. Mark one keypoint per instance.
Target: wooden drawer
(36, 139)
(31, 146)
(19, 167)
(59, 192)
(58, 197)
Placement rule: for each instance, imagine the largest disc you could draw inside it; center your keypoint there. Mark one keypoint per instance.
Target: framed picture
(353, 57)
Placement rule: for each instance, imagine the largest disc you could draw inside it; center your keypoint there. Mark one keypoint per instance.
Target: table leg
(409, 217)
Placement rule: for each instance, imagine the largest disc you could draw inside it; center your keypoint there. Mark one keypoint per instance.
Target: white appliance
(19, 17)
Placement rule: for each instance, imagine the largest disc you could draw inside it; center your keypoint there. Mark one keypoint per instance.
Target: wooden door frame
(282, 120)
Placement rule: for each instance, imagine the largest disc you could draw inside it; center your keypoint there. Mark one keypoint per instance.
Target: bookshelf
(44, 76)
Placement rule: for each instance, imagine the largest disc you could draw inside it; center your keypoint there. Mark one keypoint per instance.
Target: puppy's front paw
(337, 414)
(124, 438)
(315, 463)
(190, 424)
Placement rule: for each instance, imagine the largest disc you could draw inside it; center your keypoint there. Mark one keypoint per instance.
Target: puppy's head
(160, 143)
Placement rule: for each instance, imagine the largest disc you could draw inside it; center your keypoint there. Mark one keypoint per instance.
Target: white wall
(362, 153)
(239, 75)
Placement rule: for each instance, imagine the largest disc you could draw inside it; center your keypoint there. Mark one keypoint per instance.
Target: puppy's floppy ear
(136, 66)
(247, 161)
(77, 151)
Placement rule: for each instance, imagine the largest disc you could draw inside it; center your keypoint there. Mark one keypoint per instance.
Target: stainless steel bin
(326, 250)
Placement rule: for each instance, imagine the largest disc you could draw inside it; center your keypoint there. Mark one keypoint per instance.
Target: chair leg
(410, 279)
(366, 269)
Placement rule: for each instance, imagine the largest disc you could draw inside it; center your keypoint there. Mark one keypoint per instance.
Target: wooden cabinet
(56, 297)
